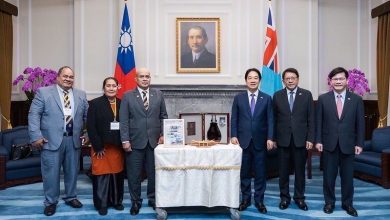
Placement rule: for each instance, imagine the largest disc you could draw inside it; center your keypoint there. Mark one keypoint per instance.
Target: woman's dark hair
(254, 70)
(108, 78)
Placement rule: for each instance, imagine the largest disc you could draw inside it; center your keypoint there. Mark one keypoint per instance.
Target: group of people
(124, 133)
(290, 122)
(57, 117)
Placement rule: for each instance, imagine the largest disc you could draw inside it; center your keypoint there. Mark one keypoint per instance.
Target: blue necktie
(253, 103)
(291, 100)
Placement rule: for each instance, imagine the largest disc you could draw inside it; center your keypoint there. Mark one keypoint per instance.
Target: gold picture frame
(202, 53)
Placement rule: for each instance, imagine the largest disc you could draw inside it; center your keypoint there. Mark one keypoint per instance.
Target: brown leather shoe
(74, 203)
(50, 210)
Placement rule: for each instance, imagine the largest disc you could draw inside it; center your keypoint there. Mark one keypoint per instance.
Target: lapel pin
(261, 97)
(300, 93)
(349, 98)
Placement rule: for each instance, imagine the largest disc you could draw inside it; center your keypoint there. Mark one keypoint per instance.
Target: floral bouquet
(35, 78)
(357, 82)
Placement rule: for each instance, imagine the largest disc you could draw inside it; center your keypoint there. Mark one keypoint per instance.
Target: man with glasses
(294, 135)
(339, 136)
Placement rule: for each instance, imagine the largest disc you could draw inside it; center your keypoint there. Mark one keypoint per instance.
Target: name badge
(114, 125)
(67, 111)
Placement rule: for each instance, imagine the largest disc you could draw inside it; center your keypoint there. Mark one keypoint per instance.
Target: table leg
(161, 214)
(234, 214)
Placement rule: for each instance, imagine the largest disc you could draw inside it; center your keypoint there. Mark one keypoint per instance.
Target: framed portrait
(173, 132)
(198, 45)
(222, 120)
(193, 127)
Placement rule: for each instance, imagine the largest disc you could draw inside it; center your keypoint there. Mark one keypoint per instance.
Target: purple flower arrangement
(357, 82)
(35, 78)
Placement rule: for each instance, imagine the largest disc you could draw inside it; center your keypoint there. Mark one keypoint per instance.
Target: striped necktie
(68, 118)
(145, 99)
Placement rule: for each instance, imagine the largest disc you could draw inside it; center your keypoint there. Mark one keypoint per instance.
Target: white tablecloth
(191, 176)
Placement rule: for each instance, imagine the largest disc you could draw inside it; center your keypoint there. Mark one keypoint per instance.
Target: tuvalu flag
(271, 80)
(125, 63)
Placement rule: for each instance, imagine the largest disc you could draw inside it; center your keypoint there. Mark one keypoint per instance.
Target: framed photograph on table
(222, 120)
(193, 127)
(173, 133)
(198, 45)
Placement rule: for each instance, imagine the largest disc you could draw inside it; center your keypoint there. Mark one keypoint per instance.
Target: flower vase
(30, 96)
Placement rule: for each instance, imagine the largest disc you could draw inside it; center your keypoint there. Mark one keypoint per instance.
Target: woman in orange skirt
(106, 153)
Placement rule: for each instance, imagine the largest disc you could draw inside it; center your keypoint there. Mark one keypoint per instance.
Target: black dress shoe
(119, 207)
(135, 207)
(243, 205)
(328, 208)
(350, 210)
(284, 204)
(102, 211)
(50, 210)
(74, 203)
(261, 208)
(302, 205)
(152, 204)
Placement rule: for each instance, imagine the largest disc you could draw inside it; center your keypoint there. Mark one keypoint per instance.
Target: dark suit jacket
(138, 125)
(205, 60)
(348, 131)
(99, 119)
(259, 127)
(299, 122)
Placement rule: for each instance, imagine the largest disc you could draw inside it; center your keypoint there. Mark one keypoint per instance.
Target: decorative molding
(199, 91)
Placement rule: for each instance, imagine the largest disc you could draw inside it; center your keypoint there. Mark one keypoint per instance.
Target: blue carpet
(370, 200)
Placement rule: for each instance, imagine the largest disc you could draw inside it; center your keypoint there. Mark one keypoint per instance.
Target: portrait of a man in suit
(198, 45)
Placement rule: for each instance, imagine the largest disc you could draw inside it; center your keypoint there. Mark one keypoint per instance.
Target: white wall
(314, 37)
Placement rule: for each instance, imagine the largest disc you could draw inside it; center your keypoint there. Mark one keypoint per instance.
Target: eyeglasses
(293, 78)
(339, 79)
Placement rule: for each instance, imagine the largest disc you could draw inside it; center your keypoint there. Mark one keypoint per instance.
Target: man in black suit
(252, 128)
(141, 117)
(339, 135)
(199, 57)
(294, 135)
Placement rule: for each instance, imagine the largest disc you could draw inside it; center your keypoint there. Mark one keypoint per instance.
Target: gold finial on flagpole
(9, 126)
(381, 120)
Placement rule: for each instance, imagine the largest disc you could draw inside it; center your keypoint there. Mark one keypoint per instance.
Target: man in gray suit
(55, 122)
(339, 136)
(294, 135)
(141, 116)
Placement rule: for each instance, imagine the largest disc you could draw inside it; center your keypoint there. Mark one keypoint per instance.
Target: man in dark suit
(55, 122)
(294, 134)
(141, 127)
(252, 128)
(199, 57)
(339, 135)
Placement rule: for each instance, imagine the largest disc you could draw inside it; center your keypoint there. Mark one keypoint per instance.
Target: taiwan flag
(125, 64)
(271, 80)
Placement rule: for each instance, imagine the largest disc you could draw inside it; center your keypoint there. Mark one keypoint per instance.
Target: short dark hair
(204, 34)
(62, 68)
(250, 70)
(338, 70)
(108, 78)
(290, 70)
